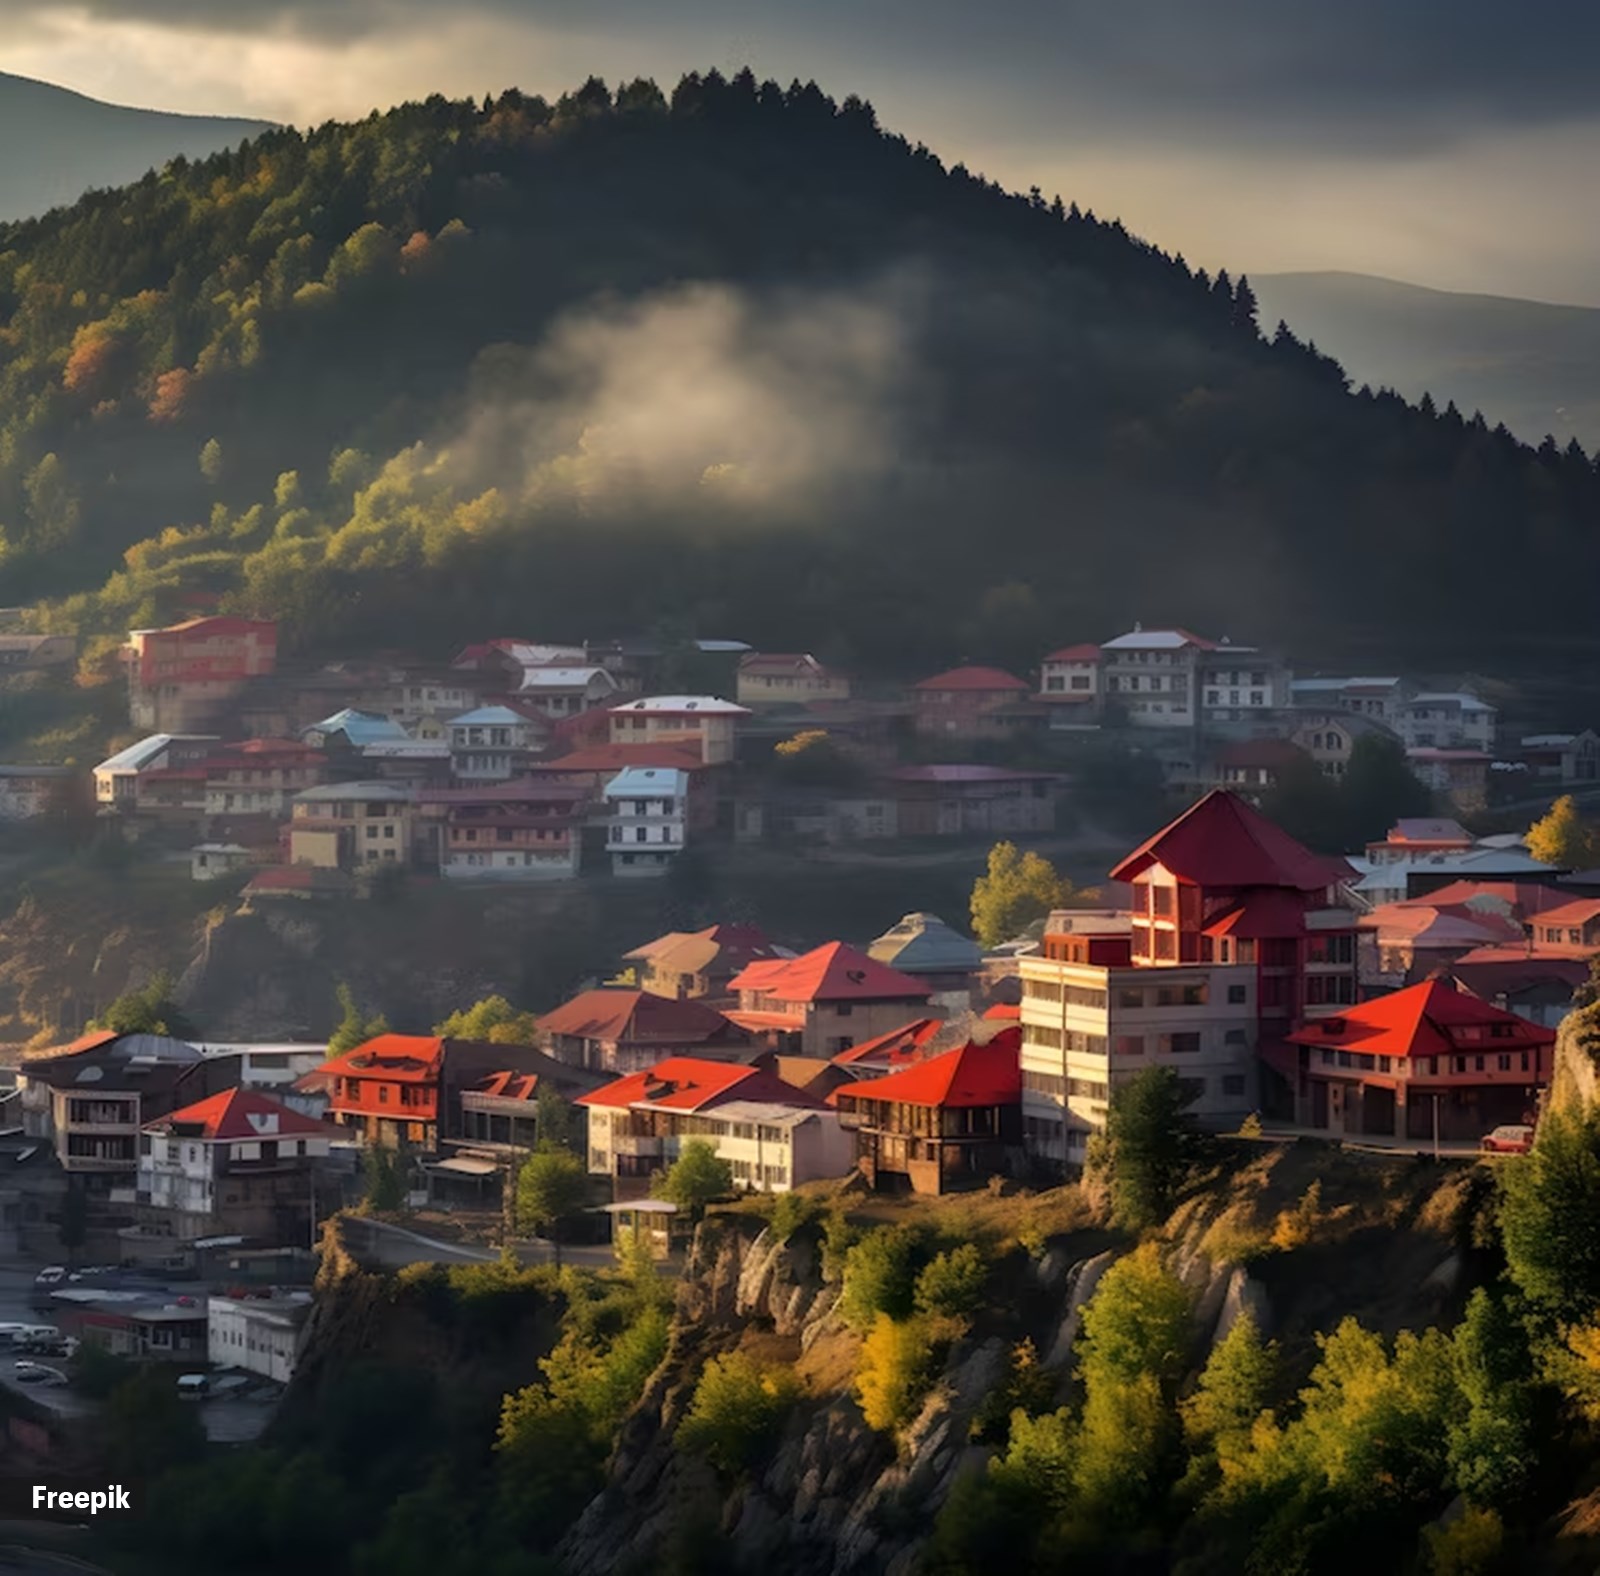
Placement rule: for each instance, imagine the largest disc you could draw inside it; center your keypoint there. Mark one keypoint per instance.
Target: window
(1130, 1045)
(1130, 997)
(1233, 1084)
(1233, 1037)
(844, 1009)
(1042, 1083)
(1503, 1062)
(1080, 681)
(1186, 1044)
(1236, 995)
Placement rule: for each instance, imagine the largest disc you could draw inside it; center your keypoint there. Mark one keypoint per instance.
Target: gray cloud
(1410, 73)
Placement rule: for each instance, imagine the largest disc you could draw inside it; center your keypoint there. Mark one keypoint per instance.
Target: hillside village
(1401, 996)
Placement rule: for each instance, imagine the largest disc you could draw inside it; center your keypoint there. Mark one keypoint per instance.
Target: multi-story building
(260, 776)
(703, 722)
(1239, 684)
(786, 679)
(1381, 699)
(649, 819)
(1562, 757)
(1151, 676)
(1447, 720)
(560, 691)
(1070, 678)
(1428, 1062)
(235, 1164)
(951, 1121)
(90, 1099)
(348, 826)
(122, 781)
(1235, 933)
(1329, 736)
(826, 1000)
(386, 1090)
(492, 744)
(181, 678)
(773, 1135)
(957, 801)
(517, 831)
(968, 703)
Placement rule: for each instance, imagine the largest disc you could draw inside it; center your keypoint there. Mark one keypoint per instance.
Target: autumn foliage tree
(1015, 890)
(1564, 837)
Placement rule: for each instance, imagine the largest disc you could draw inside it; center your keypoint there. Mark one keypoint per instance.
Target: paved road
(393, 1247)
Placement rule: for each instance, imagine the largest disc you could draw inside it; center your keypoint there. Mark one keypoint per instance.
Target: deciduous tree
(1016, 889)
(695, 1178)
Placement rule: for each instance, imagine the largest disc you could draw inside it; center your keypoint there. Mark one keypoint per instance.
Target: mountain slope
(1534, 366)
(56, 144)
(737, 361)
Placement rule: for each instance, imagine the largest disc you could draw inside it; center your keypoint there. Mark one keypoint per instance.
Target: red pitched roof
(611, 1013)
(1526, 897)
(1578, 912)
(972, 679)
(1430, 1019)
(508, 1085)
(891, 1046)
(1221, 841)
(832, 972)
(1080, 653)
(1004, 1012)
(970, 1075)
(405, 1058)
(242, 1113)
(1262, 915)
(690, 1083)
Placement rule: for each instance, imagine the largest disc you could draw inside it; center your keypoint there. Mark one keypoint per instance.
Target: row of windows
(1191, 994)
(1074, 995)
(1051, 1040)
(1505, 1062)
(1052, 1084)
(1324, 990)
(749, 1171)
(1257, 698)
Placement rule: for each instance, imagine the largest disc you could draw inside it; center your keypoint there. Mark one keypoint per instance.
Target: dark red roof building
(618, 1030)
(967, 703)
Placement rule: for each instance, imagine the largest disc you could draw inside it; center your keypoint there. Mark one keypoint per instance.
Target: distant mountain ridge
(56, 144)
(1531, 364)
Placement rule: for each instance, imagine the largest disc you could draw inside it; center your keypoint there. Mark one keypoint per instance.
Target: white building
(1447, 720)
(562, 691)
(260, 1335)
(702, 722)
(116, 779)
(649, 819)
(213, 861)
(772, 1136)
(488, 744)
(1378, 698)
(1170, 678)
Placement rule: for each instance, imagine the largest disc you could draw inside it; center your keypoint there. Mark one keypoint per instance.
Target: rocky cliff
(834, 1498)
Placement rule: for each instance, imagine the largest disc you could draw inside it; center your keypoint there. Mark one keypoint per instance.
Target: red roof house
(1429, 1061)
(622, 1031)
(387, 1088)
(826, 1000)
(946, 1122)
(967, 703)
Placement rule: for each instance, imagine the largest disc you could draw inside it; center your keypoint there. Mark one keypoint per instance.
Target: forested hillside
(738, 359)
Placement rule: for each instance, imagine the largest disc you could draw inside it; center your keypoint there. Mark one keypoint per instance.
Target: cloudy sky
(1449, 144)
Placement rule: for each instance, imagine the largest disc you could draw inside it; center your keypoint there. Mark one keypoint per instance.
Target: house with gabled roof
(773, 1135)
(649, 826)
(950, 1121)
(700, 963)
(617, 1030)
(772, 678)
(705, 723)
(826, 1000)
(1429, 1062)
(967, 703)
(182, 677)
(926, 948)
(237, 1163)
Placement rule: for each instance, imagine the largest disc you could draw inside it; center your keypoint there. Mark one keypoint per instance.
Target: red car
(1513, 1140)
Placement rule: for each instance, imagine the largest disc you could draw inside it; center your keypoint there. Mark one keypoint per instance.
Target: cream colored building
(702, 722)
(345, 826)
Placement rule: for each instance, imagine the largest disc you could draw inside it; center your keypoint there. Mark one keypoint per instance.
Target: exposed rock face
(834, 1498)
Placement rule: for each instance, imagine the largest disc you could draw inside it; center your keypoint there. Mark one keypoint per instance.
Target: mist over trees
(439, 370)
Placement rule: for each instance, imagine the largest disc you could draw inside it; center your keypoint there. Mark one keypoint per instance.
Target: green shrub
(897, 1365)
(737, 1407)
(878, 1277)
(952, 1283)
(791, 1212)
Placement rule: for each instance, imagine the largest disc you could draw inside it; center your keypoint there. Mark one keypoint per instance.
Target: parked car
(51, 1275)
(1514, 1139)
(38, 1373)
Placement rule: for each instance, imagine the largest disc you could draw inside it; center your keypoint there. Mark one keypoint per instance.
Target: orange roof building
(387, 1089)
(952, 1120)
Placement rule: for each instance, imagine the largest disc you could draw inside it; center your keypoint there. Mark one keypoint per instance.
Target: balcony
(637, 1146)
